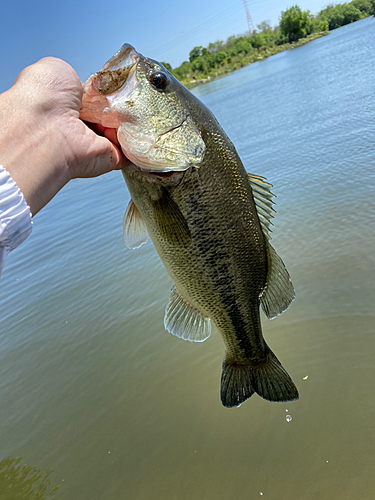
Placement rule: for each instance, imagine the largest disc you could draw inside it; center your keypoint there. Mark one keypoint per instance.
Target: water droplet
(287, 410)
(260, 493)
(305, 378)
(288, 418)
(327, 461)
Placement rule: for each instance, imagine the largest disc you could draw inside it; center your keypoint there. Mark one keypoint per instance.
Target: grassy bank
(240, 61)
(296, 27)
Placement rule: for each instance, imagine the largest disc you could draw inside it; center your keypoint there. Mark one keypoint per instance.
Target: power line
(212, 21)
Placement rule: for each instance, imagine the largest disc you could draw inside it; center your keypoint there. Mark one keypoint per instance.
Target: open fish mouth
(113, 75)
(104, 84)
(116, 71)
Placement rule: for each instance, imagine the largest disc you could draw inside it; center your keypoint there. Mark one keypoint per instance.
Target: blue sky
(87, 33)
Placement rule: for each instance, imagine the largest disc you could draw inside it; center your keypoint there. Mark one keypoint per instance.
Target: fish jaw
(155, 129)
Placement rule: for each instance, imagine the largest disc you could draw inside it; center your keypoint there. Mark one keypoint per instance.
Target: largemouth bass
(208, 219)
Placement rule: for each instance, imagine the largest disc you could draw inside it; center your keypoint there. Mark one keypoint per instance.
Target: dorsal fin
(279, 292)
(135, 230)
(184, 321)
(263, 198)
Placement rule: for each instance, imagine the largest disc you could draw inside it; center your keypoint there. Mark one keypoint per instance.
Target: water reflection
(24, 482)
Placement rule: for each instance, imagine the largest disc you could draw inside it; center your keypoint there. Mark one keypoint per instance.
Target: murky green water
(93, 389)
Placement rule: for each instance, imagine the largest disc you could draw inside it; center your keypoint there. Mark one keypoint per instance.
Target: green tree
(365, 6)
(220, 56)
(229, 42)
(264, 26)
(257, 41)
(197, 52)
(322, 25)
(295, 23)
(182, 71)
(241, 46)
(340, 15)
(167, 66)
(199, 64)
(280, 38)
(215, 47)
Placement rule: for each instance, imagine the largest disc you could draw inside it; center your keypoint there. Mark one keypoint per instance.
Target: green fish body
(208, 219)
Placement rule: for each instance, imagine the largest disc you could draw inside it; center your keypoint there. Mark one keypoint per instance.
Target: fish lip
(126, 53)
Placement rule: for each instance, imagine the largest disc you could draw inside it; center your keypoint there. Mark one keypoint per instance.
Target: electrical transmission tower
(248, 17)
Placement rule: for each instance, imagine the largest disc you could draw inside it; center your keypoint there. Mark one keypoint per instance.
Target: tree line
(295, 27)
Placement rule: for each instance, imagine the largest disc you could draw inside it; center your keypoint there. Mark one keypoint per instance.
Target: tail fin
(268, 379)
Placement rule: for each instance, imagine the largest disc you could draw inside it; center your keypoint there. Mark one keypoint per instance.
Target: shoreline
(239, 62)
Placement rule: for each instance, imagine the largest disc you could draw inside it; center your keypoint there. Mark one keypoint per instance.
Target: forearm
(31, 152)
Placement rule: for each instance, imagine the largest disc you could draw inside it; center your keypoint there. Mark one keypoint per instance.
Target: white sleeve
(15, 216)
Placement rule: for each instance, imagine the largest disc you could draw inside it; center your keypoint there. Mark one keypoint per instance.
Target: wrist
(32, 150)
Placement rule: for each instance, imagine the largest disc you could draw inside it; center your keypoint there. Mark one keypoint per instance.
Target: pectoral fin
(184, 321)
(135, 230)
(171, 222)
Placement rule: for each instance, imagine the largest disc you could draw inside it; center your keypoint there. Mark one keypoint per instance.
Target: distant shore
(241, 61)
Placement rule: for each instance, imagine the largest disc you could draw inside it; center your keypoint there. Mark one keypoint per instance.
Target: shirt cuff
(15, 216)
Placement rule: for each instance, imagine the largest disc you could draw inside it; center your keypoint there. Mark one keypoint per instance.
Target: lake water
(94, 390)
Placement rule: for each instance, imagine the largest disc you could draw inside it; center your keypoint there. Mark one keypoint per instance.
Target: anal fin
(279, 292)
(184, 321)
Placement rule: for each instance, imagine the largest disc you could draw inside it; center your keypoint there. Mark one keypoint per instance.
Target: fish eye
(159, 80)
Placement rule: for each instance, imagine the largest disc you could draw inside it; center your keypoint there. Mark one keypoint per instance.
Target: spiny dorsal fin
(184, 321)
(135, 230)
(279, 292)
(263, 200)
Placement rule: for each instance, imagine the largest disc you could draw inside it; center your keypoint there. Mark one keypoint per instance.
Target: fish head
(140, 98)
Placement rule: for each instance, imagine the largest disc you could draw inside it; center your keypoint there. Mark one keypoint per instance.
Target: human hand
(43, 143)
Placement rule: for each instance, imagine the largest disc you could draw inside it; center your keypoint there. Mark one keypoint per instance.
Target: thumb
(106, 157)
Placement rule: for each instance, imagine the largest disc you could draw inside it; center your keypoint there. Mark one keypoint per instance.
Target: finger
(119, 159)
(107, 158)
(111, 135)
